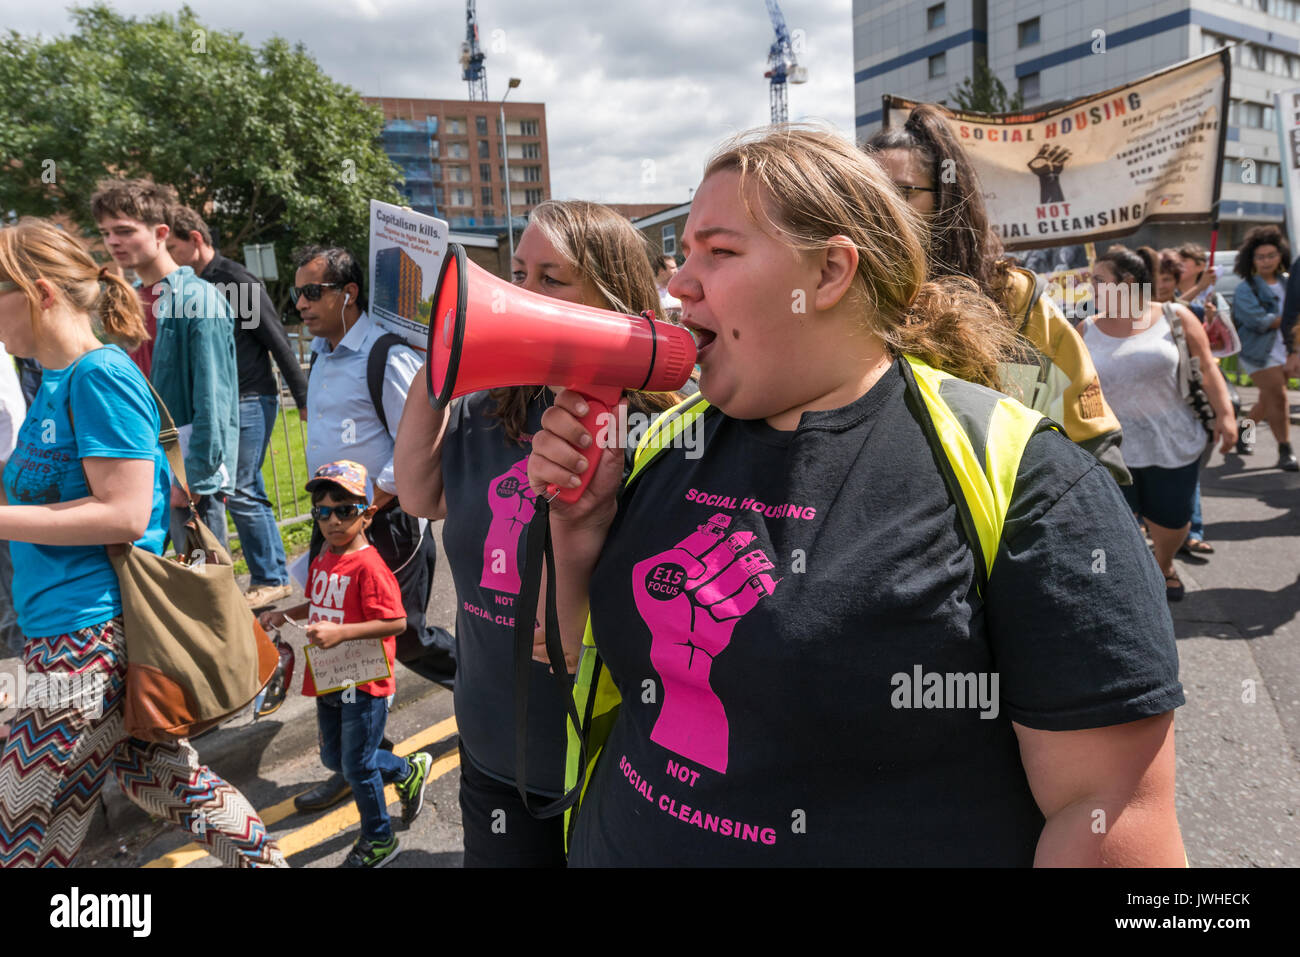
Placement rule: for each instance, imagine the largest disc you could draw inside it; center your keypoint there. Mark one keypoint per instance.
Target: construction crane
(781, 63)
(471, 57)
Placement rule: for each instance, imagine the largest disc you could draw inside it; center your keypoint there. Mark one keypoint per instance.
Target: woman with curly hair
(1257, 312)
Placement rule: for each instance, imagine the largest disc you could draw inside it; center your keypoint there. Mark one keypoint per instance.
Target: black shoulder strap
(376, 363)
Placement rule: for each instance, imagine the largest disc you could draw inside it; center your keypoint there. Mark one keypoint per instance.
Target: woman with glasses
(88, 471)
(470, 465)
(1055, 376)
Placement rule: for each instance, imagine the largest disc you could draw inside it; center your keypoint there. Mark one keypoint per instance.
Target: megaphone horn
(486, 333)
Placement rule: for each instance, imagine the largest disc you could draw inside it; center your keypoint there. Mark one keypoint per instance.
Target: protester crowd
(951, 445)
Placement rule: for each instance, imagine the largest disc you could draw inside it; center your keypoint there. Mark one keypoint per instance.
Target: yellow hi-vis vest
(982, 435)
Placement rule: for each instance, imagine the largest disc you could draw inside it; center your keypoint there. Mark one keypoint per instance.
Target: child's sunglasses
(322, 512)
(310, 292)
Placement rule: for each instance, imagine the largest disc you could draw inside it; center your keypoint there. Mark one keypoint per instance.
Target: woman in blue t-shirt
(475, 475)
(88, 471)
(808, 659)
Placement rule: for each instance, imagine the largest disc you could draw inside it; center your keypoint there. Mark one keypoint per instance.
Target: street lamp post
(505, 154)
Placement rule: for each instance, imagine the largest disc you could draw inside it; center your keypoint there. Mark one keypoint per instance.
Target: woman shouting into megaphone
(888, 616)
(468, 465)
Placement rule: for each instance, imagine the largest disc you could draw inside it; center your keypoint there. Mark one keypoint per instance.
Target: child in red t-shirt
(352, 596)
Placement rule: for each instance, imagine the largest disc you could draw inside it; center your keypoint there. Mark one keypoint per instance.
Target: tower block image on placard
(398, 283)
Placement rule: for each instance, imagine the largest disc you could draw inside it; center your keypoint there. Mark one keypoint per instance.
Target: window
(458, 174)
(502, 171)
(480, 125)
(485, 172)
(432, 123)
(438, 197)
(457, 151)
(934, 17)
(456, 126)
(532, 196)
(501, 149)
(532, 174)
(486, 194)
(1029, 86)
(1028, 31)
(532, 151)
(436, 170)
(938, 65)
(668, 238)
(433, 148)
(461, 197)
(528, 128)
(1212, 41)
(483, 150)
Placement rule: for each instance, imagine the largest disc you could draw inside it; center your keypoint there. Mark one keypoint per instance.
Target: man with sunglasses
(353, 414)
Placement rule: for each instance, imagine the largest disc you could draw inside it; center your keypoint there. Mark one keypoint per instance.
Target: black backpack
(376, 363)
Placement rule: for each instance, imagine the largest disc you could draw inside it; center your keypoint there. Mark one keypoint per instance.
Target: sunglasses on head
(322, 512)
(311, 291)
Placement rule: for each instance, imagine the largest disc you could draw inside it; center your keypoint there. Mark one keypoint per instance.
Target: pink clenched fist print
(512, 503)
(691, 598)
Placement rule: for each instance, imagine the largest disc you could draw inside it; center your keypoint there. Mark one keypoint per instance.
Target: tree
(260, 141)
(984, 93)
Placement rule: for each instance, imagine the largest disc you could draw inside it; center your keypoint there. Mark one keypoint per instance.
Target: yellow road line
(336, 820)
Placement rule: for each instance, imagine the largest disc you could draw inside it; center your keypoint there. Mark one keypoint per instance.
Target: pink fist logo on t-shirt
(691, 597)
(512, 502)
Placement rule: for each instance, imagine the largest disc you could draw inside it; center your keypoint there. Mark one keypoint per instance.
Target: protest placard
(406, 253)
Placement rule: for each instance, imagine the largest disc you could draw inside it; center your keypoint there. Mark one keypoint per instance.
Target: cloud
(636, 94)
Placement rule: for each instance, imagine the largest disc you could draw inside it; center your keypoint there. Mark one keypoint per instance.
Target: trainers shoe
(411, 791)
(326, 794)
(371, 854)
(266, 594)
(1286, 459)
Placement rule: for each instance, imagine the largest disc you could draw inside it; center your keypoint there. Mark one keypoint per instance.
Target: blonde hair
(610, 253)
(814, 185)
(33, 249)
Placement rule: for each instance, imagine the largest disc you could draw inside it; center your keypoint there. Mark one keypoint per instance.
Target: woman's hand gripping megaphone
(568, 461)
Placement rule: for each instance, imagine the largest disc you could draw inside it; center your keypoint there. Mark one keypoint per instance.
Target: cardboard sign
(1100, 166)
(348, 664)
(406, 253)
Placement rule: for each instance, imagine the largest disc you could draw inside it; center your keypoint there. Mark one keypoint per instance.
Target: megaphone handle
(600, 401)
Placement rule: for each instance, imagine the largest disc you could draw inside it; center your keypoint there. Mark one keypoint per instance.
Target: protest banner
(406, 253)
(1100, 166)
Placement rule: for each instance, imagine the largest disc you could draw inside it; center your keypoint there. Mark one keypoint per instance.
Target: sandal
(1175, 591)
(1196, 548)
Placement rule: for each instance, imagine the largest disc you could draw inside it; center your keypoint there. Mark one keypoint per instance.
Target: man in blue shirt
(344, 423)
(193, 357)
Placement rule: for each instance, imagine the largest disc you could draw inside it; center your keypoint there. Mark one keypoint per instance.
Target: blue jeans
(249, 507)
(350, 734)
(1197, 531)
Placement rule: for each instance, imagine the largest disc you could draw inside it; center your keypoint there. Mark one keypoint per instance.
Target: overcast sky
(636, 92)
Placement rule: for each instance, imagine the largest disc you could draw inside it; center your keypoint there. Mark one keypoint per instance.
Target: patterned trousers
(59, 753)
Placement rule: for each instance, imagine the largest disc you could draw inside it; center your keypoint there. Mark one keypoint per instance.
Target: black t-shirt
(489, 505)
(806, 667)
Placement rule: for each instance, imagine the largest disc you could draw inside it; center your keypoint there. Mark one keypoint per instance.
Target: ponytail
(120, 312)
(33, 249)
(952, 326)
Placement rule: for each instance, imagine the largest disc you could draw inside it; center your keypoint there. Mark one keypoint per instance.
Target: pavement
(1237, 737)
